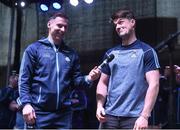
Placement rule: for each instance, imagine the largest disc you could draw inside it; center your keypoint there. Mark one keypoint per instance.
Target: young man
(129, 84)
(49, 70)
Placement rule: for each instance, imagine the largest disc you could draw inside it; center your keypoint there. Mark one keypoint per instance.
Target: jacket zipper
(57, 66)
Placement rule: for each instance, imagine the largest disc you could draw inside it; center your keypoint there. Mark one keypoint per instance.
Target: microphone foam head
(110, 57)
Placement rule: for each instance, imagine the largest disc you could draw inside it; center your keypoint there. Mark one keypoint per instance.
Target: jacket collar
(47, 42)
(62, 46)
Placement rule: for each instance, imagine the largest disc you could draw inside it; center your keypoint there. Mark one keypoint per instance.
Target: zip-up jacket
(47, 74)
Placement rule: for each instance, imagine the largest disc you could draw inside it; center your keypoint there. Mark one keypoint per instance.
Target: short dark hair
(123, 13)
(13, 78)
(59, 14)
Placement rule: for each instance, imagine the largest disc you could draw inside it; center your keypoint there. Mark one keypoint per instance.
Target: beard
(124, 33)
(57, 35)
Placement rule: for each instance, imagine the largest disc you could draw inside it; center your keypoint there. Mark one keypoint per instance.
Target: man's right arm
(101, 94)
(25, 82)
(25, 77)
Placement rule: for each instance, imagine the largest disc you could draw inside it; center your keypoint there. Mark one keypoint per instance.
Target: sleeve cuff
(89, 82)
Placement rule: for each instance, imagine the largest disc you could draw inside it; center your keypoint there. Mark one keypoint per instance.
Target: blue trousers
(53, 120)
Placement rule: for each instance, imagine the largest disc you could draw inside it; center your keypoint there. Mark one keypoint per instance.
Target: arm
(13, 106)
(101, 94)
(152, 78)
(25, 81)
(177, 74)
(80, 80)
(25, 77)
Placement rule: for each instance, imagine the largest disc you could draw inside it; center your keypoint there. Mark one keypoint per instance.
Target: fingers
(135, 126)
(34, 114)
(29, 114)
(94, 73)
(95, 67)
(139, 128)
(103, 113)
(101, 118)
(96, 70)
(140, 124)
(30, 117)
(100, 114)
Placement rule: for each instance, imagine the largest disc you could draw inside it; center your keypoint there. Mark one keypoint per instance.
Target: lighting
(74, 2)
(50, 5)
(22, 4)
(44, 7)
(56, 5)
(88, 1)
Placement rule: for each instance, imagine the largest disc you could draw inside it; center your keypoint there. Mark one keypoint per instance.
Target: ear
(48, 24)
(133, 21)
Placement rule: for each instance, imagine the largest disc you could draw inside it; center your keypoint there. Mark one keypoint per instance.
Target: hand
(94, 74)
(176, 69)
(177, 73)
(100, 114)
(29, 114)
(13, 106)
(178, 78)
(141, 123)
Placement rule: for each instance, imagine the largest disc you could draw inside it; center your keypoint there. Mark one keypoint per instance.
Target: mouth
(120, 30)
(60, 34)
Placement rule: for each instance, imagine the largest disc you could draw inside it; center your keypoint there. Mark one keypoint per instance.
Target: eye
(120, 22)
(61, 26)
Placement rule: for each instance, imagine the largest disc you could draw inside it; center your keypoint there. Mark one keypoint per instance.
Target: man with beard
(129, 84)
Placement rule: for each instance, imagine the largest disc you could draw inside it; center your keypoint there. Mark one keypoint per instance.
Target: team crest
(134, 54)
(67, 59)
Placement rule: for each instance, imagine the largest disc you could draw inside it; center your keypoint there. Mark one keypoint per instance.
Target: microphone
(108, 59)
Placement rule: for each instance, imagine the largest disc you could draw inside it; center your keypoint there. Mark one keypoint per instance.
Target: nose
(118, 27)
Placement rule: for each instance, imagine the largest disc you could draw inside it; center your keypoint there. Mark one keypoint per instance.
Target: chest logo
(67, 59)
(134, 54)
(46, 55)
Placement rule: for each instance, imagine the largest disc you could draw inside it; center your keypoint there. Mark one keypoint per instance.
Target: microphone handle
(102, 64)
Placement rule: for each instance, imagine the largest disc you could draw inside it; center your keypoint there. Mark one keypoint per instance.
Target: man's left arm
(81, 80)
(152, 78)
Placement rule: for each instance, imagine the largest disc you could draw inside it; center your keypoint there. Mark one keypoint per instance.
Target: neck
(128, 40)
(54, 40)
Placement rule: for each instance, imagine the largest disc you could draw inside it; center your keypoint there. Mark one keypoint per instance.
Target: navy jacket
(47, 75)
(7, 117)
